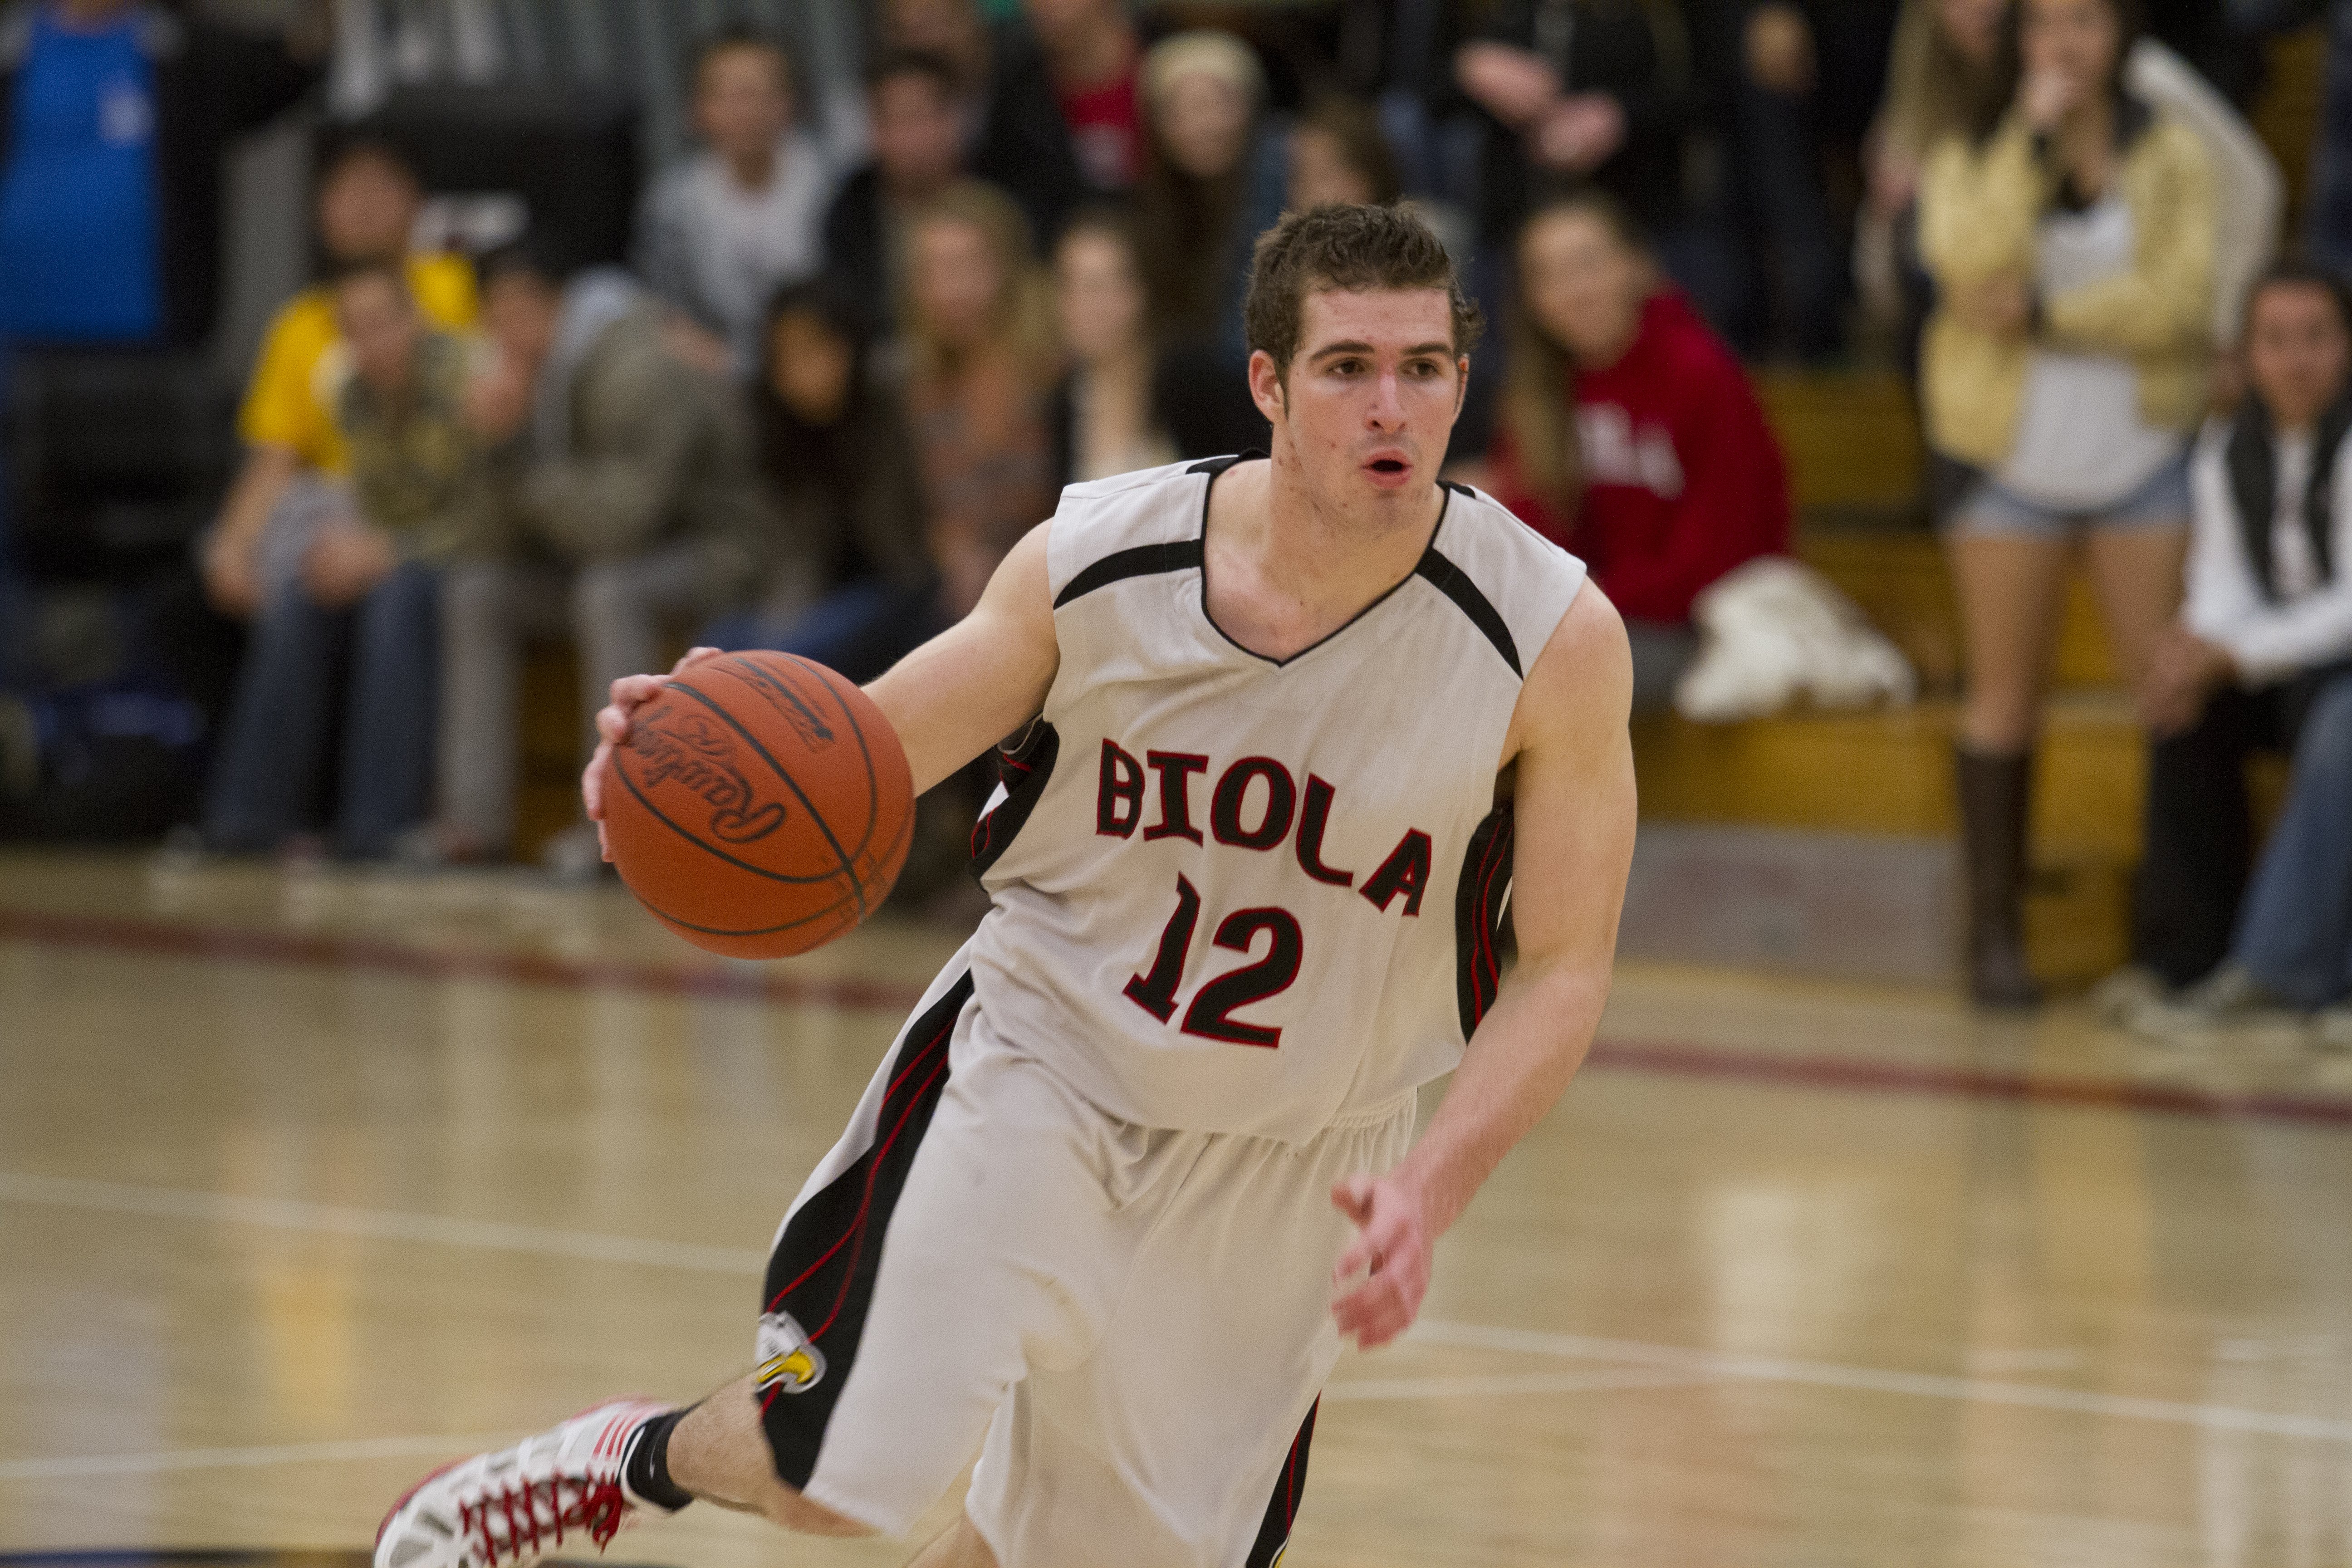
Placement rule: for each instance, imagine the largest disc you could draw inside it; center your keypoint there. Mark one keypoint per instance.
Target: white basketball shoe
(511, 1507)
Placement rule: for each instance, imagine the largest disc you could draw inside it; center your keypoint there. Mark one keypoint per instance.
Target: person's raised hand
(1581, 133)
(2046, 98)
(628, 694)
(1512, 84)
(1383, 1276)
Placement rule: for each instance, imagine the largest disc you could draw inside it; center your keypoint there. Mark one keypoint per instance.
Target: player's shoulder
(1511, 582)
(1128, 525)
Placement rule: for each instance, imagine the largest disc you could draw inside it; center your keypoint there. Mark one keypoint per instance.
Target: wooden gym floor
(309, 1182)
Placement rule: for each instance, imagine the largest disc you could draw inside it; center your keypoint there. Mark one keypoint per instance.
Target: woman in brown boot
(2070, 239)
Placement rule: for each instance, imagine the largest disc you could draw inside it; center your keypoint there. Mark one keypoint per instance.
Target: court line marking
(79, 1467)
(376, 1225)
(75, 1467)
(1879, 1380)
(1365, 1389)
(788, 987)
(591, 1247)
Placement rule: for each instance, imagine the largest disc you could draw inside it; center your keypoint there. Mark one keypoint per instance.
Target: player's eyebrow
(1354, 347)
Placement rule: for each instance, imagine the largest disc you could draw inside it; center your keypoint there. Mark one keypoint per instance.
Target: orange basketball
(761, 806)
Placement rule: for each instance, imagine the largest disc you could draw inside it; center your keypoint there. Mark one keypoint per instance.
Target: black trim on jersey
(1458, 488)
(1139, 560)
(1149, 559)
(1455, 585)
(1217, 465)
(1213, 466)
(1481, 917)
(1023, 767)
(825, 1264)
(1282, 1508)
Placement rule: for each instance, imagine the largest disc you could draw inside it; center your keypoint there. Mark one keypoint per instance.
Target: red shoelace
(596, 1507)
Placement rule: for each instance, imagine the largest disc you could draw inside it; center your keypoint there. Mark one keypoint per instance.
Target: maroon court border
(768, 984)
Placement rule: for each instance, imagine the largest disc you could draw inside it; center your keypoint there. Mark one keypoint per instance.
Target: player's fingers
(1353, 1198)
(592, 785)
(693, 657)
(1372, 1313)
(603, 846)
(1358, 1259)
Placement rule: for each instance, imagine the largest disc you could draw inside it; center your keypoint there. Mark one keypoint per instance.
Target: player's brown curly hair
(1348, 247)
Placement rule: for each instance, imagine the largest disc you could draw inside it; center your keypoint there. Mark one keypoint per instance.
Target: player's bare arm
(950, 700)
(1574, 840)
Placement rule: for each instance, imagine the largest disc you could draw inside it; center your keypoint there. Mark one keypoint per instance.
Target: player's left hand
(1385, 1273)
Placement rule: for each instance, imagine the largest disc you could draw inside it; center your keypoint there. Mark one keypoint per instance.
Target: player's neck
(1284, 571)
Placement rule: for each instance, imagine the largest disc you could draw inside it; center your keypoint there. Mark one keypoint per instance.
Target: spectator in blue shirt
(113, 118)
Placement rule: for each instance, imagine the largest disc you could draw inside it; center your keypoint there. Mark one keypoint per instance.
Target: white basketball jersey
(1233, 894)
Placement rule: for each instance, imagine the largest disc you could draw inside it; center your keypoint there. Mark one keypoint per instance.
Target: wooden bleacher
(1855, 464)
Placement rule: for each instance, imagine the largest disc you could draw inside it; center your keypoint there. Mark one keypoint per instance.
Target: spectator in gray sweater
(625, 503)
(721, 231)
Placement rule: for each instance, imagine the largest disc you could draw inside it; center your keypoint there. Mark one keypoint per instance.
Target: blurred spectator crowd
(895, 273)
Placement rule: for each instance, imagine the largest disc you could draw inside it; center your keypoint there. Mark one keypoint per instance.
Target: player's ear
(1266, 389)
(1461, 383)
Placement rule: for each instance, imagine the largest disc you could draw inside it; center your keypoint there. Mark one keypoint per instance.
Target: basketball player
(1290, 731)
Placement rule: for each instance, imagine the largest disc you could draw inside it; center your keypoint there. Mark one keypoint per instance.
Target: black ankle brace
(645, 1464)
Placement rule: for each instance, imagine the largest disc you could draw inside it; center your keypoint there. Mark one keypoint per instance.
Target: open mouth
(1386, 466)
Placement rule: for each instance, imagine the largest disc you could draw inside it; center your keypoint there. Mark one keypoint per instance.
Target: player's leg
(960, 1547)
(719, 1453)
(1182, 1441)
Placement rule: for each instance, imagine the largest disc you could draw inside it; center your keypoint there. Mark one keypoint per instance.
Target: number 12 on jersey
(1210, 1015)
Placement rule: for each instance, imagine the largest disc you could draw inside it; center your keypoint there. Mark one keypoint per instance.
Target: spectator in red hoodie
(1628, 433)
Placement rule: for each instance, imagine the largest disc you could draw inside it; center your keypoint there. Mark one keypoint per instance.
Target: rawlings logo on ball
(812, 729)
(693, 752)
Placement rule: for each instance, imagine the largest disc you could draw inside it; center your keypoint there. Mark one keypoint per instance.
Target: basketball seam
(865, 754)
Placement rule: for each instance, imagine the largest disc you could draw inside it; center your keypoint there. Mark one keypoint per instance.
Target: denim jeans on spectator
(273, 753)
(2295, 935)
(614, 612)
(860, 629)
(2191, 907)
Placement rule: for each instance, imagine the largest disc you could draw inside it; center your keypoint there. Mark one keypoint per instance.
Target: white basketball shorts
(1137, 1321)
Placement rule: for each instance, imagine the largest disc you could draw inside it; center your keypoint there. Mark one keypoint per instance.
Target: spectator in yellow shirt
(294, 481)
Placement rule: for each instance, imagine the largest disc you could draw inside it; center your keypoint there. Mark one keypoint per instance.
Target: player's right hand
(628, 694)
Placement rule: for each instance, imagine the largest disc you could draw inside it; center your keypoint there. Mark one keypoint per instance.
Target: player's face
(1372, 391)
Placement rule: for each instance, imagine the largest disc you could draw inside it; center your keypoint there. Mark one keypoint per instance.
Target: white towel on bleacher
(1774, 631)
